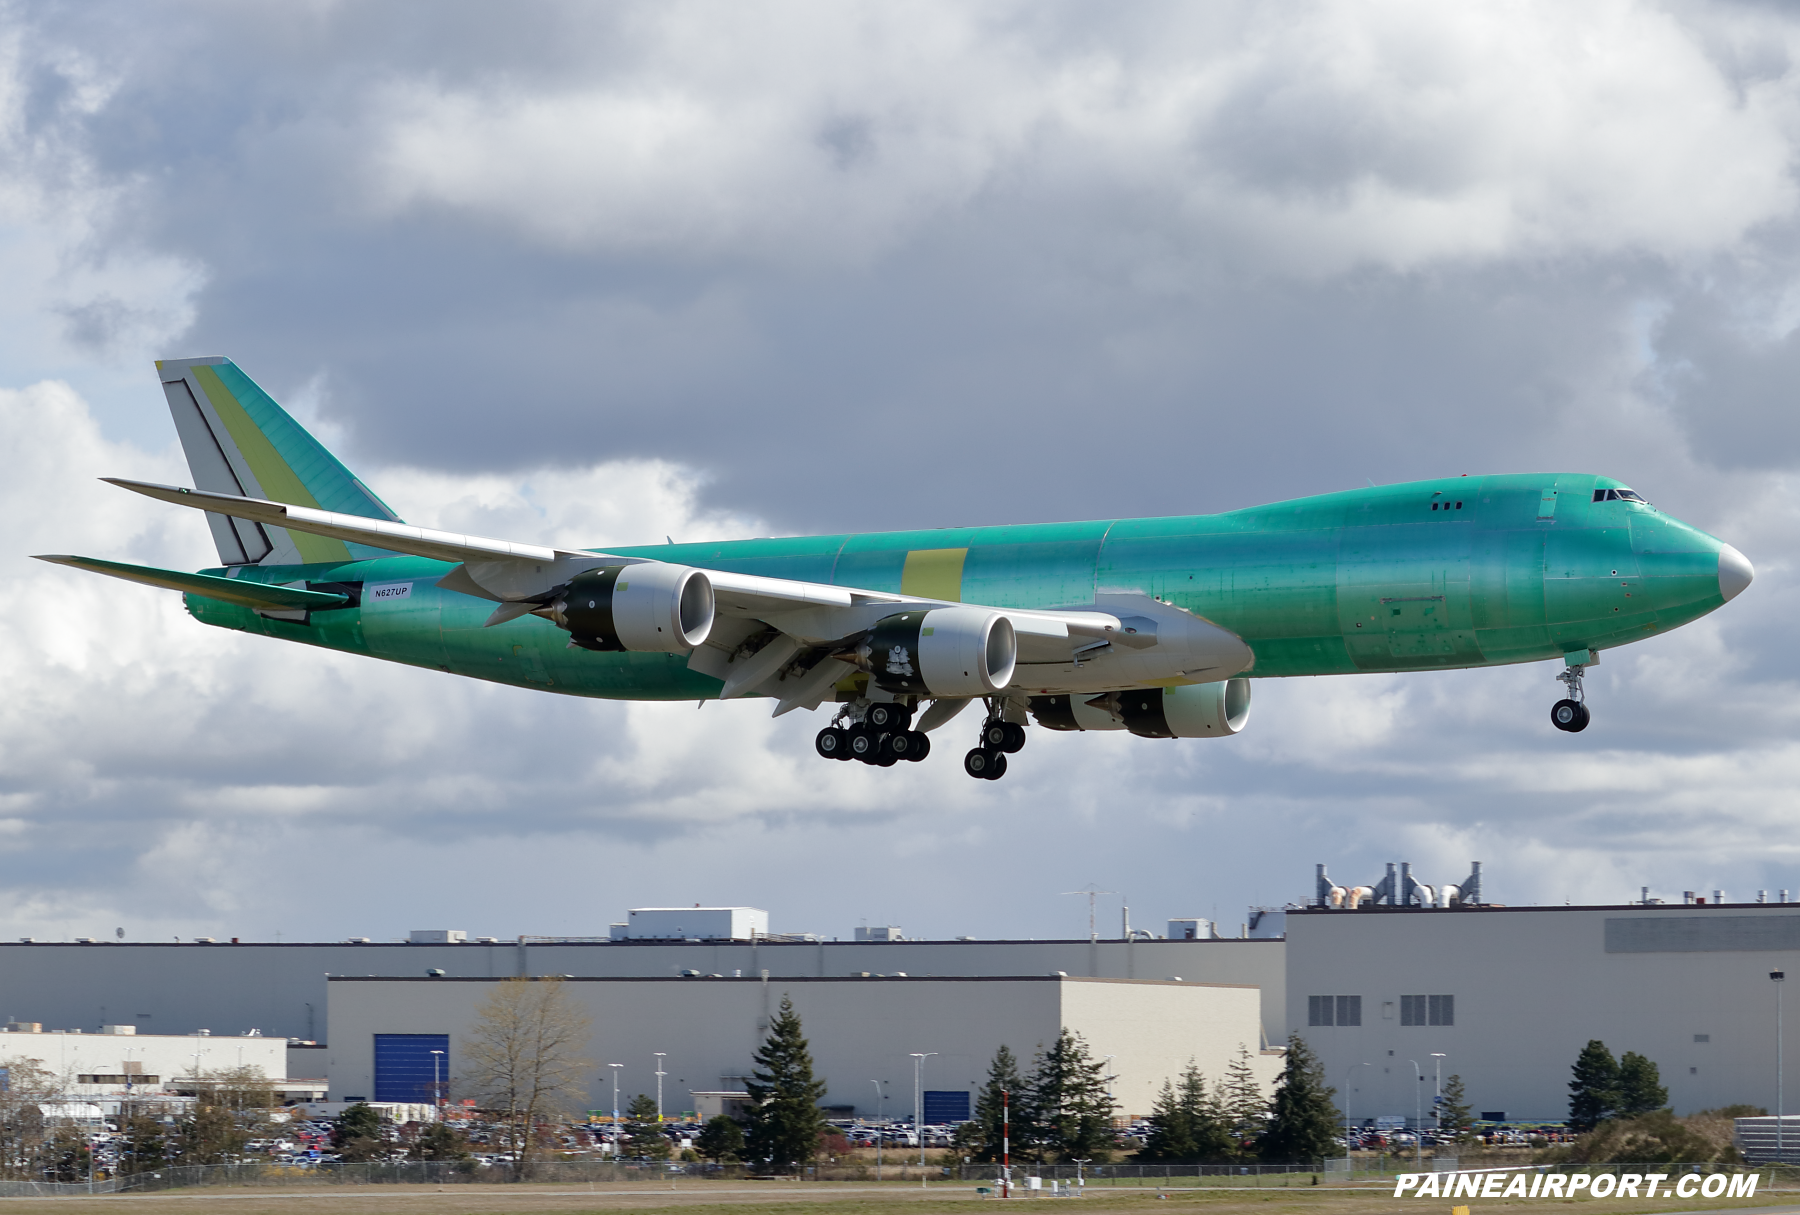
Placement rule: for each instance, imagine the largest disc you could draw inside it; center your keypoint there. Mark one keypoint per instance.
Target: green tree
(1242, 1104)
(439, 1141)
(1594, 1091)
(66, 1156)
(27, 1086)
(143, 1145)
(785, 1120)
(721, 1139)
(643, 1133)
(1302, 1119)
(356, 1133)
(982, 1137)
(1455, 1115)
(1071, 1113)
(1640, 1086)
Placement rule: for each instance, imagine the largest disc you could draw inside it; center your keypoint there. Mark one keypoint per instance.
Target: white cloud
(1315, 138)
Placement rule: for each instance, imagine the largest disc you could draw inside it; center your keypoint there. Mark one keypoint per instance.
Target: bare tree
(27, 1086)
(524, 1054)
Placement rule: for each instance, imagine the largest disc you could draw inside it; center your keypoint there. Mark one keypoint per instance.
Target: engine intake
(1204, 710)
(957, 651)
(652, 607)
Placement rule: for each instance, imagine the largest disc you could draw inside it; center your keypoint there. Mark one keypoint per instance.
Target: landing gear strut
(1571, 713)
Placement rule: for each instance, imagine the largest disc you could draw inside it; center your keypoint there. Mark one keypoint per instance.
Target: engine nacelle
(652, 607)
(1202, 710)
(954, 652)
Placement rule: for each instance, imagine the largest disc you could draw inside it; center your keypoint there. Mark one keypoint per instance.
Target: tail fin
(239, 441)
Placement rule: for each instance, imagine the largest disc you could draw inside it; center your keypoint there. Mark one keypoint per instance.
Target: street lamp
(1779, 976)
(437, 1089)
(660, 1073)
(919, 1058)
(1349, 1147)
(1437, 1091)
(615, 1123)
(1418, 1117)
(880, 1130)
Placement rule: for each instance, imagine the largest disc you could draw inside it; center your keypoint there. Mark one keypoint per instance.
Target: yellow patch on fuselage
(934, 573)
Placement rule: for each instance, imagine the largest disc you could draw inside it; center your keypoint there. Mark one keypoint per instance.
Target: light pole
(919, 1058)
(617, 1139)
(660, 1073)
(880, 1130)
(1349, 1145)
(1418, 1116)
(1779, 976)
(1437, 1092)
(437, 1084)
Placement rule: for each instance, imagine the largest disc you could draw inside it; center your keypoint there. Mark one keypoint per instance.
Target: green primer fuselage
(1527, 567)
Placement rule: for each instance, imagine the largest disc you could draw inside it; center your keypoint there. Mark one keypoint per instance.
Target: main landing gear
(883, 737)
(1571, 713)
(998, 740)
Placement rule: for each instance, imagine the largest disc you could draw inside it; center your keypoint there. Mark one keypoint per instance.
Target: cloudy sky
(602, 273)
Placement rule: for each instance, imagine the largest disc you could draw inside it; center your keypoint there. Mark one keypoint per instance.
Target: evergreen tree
(439, 1141)
(721, 1139)
(143, 1146)
(355, 1135)
(1071, 1114)
(1171, 1128)
(985, 1136)
(1594, 1092)
(1303, 1121)
(1242, 1103)
(1188, 1123)
(785, 1121)
(643, 1133)
(1640, 1086)
(1454, 1113)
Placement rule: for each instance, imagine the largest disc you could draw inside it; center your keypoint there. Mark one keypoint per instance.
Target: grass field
(773, 1198)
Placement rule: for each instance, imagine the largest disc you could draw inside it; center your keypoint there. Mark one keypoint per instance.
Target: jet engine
(955, 651)
(1202, 710)
(654, 607)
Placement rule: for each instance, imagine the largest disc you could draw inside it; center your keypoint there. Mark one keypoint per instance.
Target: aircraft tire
(921, 745)
(995, 735)
(978, 761)
(1570, 715)
(889, 717)
(998, 768)
(833, 743)
(865, 745)
(1015, 738)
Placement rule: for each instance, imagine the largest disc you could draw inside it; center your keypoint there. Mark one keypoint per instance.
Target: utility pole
(880, 1128)
(1780, 976)
(617, 1141)
(1005, 1144)
(919, 1058)
(1418, 1117)
(660, 1073)
(1437, 1093)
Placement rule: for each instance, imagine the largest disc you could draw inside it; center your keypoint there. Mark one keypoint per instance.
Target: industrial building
(402, 1039)
(118, 1064)
(1507, 997)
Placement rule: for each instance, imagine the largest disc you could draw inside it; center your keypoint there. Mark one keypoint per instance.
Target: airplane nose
(1735, 572)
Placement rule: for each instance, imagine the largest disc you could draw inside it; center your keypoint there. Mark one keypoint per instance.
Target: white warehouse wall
(1533, 985)
(859, 1030)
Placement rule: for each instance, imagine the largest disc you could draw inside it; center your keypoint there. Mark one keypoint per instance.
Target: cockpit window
(1618, 495)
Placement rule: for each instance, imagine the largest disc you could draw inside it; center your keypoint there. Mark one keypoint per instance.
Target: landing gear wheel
(833, 743)
(1016, 742)
(984, 764)
(921, 745)
(908, 745)
(864, 746)
(995, 735)
(889, 717)
(1570, 715)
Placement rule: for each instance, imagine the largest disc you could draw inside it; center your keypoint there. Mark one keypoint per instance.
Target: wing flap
(243, 593)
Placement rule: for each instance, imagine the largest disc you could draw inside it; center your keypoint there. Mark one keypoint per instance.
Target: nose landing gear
(1571, 713)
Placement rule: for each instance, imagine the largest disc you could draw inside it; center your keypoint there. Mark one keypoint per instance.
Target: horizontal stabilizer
(226, 590)
(379, 533)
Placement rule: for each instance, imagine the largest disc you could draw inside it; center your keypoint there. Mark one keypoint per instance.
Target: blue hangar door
(406, 1069)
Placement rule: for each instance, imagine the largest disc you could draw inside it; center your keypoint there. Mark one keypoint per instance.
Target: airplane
(1154, 626)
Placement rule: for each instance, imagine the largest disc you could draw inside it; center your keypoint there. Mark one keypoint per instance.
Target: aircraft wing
(771, 636)
(258, 595)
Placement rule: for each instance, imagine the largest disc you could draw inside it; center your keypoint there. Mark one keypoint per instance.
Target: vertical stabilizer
(239, 441)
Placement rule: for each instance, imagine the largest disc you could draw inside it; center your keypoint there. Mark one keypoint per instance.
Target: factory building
(280, 989)
(1508, 996)
(401, 1039)
(118, 1064)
